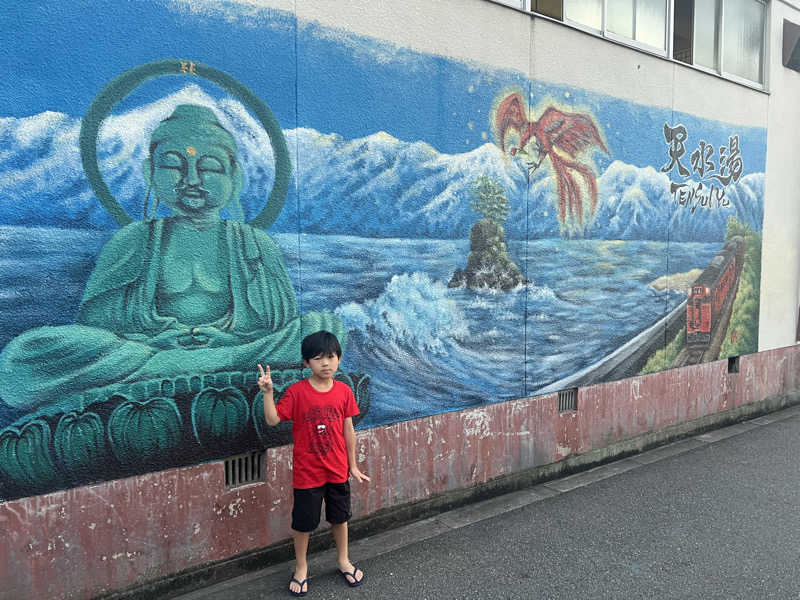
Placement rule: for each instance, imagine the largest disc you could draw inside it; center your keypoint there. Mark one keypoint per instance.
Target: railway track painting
(722, 320)
(698, 328)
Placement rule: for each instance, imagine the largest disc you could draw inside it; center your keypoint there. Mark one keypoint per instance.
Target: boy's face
(323, 366)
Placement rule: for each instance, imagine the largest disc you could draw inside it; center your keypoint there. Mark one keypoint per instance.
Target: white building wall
(780, 263)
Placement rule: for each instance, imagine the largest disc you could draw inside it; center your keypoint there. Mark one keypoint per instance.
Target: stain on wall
(87, 541)
(175, 212)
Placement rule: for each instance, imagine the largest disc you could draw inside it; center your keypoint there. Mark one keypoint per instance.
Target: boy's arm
(265, 384)
(350, 443)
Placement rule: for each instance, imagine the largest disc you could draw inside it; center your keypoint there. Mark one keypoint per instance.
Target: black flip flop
(301, 593)
(355, 582)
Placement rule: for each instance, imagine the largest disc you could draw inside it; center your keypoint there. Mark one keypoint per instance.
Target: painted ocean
(428, 348)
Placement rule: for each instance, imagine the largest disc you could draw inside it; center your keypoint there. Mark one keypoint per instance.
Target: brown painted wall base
(181, 528)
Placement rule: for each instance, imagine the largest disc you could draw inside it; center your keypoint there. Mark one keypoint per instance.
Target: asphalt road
(714, 516)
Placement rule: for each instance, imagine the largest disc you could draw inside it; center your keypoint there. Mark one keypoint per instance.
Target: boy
(321, 409)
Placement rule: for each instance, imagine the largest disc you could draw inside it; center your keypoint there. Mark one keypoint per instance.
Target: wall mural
(174, 213)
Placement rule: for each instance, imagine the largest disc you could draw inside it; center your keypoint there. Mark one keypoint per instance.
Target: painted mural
(174, 211)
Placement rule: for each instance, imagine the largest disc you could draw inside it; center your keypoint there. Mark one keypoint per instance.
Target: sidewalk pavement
(671, 527)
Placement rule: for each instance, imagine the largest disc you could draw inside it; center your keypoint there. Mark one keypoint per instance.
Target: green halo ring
(121, 86)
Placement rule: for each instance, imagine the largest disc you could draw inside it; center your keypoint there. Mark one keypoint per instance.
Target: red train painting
(710, 292)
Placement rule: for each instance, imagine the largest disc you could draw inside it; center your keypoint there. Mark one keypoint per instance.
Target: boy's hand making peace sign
(265, 379)
(265, 385)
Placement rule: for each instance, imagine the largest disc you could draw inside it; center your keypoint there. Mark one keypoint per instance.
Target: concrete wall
(780, 277)
(81, 542)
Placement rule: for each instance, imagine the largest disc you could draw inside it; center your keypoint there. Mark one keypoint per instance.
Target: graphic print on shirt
(319, 422)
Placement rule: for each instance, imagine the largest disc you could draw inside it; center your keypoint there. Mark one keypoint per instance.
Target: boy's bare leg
(343, 558)
(300, 557)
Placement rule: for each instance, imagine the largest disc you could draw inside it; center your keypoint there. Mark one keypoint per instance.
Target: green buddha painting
(191, 293)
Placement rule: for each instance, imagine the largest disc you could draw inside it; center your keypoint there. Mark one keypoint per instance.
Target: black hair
(320, 343)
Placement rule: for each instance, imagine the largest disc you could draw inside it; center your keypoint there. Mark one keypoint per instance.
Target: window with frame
(551, 8)
(643, 22)
(724, 36)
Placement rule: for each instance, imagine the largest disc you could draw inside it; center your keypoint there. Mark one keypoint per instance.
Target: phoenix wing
(569, 132)
(511, 115)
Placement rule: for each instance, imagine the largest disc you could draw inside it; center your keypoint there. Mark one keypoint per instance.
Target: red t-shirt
(319, 454)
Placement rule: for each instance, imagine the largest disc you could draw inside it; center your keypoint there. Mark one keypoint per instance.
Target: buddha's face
(193, 176)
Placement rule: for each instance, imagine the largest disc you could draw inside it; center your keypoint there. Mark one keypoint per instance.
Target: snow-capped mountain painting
(376, 186)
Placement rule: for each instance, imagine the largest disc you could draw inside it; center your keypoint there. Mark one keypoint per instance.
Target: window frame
(667, 40)
(525, 4)
(667, 51)
(763, 53)
(719, 69)
(610, 35)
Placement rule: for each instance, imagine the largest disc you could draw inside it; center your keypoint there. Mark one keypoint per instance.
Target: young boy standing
(324, 455)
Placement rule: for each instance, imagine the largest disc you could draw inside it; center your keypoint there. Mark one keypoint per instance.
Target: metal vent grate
(244, 469)
(568, 400)
(733, 364)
